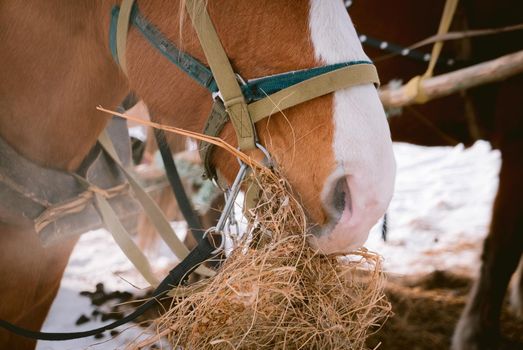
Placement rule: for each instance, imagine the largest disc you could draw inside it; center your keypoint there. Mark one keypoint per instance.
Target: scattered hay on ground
(274, 292)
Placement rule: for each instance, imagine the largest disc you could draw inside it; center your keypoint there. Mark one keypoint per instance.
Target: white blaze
(362, 144)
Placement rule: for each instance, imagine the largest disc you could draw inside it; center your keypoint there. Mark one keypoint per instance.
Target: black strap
(184, 203)
(385, 227)
(203, 251)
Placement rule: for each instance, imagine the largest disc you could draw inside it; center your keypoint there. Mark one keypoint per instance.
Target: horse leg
(31, 277)
(516, 292)
(478, 327)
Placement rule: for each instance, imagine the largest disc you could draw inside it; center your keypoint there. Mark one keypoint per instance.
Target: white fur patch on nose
(361, 133)
(362, 143)
(332, 33)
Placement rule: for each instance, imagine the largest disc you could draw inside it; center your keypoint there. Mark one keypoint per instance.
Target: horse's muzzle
(352, 207)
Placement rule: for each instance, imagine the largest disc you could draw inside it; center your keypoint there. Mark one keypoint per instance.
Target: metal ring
(216, 183)
(222, 243)
(240, 79)
(265, 153)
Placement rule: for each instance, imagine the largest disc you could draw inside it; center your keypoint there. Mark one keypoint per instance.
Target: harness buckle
(228, 209)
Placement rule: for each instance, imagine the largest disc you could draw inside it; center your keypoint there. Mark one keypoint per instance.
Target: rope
(76, 204)
(413, 90)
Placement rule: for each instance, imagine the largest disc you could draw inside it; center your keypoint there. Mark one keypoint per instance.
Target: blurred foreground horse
(56, 67)
(492, 112)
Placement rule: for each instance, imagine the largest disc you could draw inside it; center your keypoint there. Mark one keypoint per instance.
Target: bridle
(243, 103)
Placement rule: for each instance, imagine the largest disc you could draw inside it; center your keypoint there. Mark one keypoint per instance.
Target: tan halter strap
(243, 115)
(249, 102)
(122, 27)
(223, 73)
(154, 214)
(307, 90)
(312, 88)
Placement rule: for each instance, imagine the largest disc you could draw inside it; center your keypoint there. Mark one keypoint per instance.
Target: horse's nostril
(340, 194)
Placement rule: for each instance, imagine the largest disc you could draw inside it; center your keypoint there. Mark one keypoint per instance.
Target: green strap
(314, 87)
(224, 76)
(152, 210)
(362, 73)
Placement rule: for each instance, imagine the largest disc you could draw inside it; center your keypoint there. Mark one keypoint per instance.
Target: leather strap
(444, 25)
(213, 127)
(120, 234)
(184, 203)
(122, 27)
(152, 210)
(314, 87)
(124, 240)
(203, 251)
(224, 75)
(306, 90)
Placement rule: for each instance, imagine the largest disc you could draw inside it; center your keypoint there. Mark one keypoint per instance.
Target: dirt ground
(426, 309)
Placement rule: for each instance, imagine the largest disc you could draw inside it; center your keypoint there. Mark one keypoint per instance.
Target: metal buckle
(227, 215)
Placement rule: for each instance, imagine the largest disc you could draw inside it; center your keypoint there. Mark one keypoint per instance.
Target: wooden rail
(449, 83)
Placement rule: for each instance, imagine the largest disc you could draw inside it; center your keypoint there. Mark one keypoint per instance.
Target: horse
(56, 67)
(491, 112)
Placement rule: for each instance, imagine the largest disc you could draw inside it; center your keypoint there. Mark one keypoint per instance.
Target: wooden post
(449, 83)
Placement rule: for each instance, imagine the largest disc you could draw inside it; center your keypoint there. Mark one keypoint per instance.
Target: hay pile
(274, 292)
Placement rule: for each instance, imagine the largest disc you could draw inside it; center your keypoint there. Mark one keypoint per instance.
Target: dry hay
(274, 292)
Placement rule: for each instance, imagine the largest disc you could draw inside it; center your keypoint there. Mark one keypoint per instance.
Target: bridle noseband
(244, 103)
